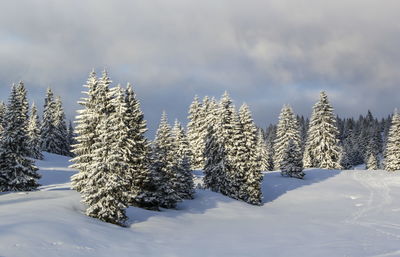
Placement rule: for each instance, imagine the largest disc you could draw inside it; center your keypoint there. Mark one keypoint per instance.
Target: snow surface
(329, 213)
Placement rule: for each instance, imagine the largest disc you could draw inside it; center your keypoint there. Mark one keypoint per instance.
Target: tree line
(119, 167)
(24, 136)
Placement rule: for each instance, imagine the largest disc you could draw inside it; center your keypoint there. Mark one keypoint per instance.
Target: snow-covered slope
(329, 213)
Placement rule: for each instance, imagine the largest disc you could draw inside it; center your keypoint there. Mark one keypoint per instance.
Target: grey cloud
(266, 53)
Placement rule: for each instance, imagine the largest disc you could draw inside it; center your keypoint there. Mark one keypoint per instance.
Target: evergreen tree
(24, 112)
(248, 161)
(109, 177)
(143, 191)
(392, 153)
(214, 170)
(34, 142)
(87, 121)
(163, 164)
(60, 129)
(185, 186)
(262, 150)
(2, 116)
(372, 162)
(71, 135)
(270, 135)
(287, 130)
(17, 173)
(195, 135)
(220, 152)
(322, 148)
(291, 164)
(48, 130)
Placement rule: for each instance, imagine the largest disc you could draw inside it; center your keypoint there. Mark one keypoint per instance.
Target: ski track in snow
(378, 198)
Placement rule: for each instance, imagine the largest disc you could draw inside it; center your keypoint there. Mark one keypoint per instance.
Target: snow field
(329, 213)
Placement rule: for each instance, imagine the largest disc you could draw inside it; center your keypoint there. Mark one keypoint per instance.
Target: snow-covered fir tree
(392, 152)
(291, 164)
(270, 135)
(219, 149)
(143, 191)
(71, 135)
(87, 120)
(48, 130)
(24, 112)
(60, 129)
(109, 177)
(322, 147)
(195, 134)
(262, 150)
(34, 140)
(2, 115)
(287, 129)
(17, 172)
(215, 156)
(248, 159)
(164, 165)
(185, 187)
(372, 162)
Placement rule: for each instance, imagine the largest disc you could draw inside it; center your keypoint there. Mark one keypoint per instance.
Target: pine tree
(372, 162)
(248, 160)
(71, 135)
(163, 164)
(108, 179)
(392, 153)
(33, 131)
(195, 135)
(87, 121)
(2, 116)
(24, 112)
(60, 129)
(270, 135)
(185, 186)
(322, 148)
(17, 173)
(227, 132)
(291, 164)
(143, 191)
(47, 131)
(287, 129)
(262, 150)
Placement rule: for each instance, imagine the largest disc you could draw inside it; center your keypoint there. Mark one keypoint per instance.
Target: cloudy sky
(264, 52)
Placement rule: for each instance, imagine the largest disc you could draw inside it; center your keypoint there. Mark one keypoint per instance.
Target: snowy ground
(329, 213)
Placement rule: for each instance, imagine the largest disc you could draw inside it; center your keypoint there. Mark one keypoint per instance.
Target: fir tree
(48, 130)
(291, 164)
(185, 186)
(262, 150)
(214, 170)
(372, 162)
(17, 173)
(24, 112)
(248, 160)
(2, 116)
(143, 191)
(34, 141)
(71, 135)
(60, 129)
(322, 148)
(163, 164)
(195, 135)
(87, 121)
(108, 179)
(287, 129)
(392, 153)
